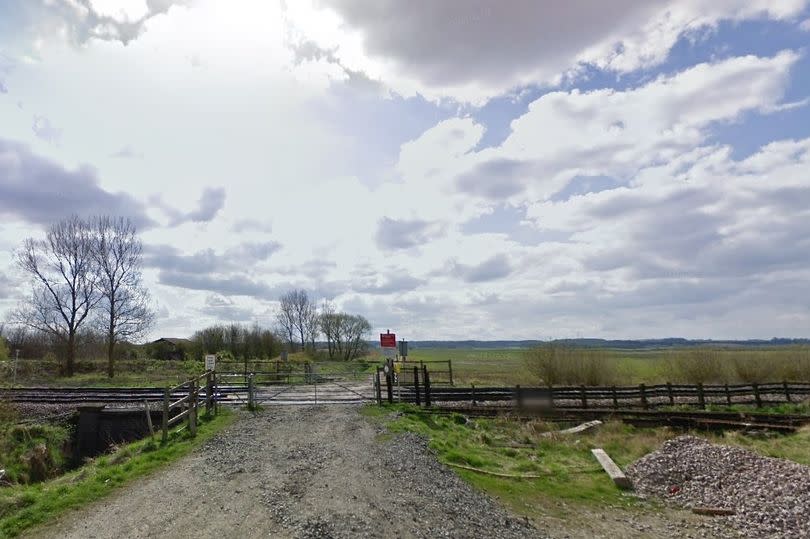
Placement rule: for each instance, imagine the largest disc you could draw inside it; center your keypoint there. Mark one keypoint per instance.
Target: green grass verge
(25, 506)
(570, 477)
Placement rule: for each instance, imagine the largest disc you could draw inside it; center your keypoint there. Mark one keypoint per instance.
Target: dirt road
(298, 472)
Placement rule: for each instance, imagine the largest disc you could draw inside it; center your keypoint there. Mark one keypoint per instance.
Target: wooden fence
(640, 396)
(197, 391)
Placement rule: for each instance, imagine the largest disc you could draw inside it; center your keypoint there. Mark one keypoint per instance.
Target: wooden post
(787, 391)
(208, 393)
(192, 407)
(615, 397)
(728, 396)
(251, 393)
(149, 419)
(670, 395)
(583, 396)
(701, 397)
(416, 384)
(389, 387)
(643, 389)
(214, 386)
(165, 423)
(426, 381)
(519, 396)
(472, 386)
(757, 397)
(378, 388)
(450, 369)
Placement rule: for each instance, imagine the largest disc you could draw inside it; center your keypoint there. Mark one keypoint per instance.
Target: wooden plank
(612, 469)
(575, 430)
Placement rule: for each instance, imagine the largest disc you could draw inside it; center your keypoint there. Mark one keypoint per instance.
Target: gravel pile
(770, 497)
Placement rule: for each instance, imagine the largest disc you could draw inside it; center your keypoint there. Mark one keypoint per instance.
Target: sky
(463, 169)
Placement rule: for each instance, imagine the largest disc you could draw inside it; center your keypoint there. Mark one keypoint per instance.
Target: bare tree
(298, 316)
(64, 283)
(125, 302)
(345, 333)
(285, 318)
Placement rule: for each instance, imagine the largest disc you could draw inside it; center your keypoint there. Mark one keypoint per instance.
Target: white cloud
(473, 51)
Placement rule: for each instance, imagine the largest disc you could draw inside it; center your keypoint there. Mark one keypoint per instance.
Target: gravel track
(301, 472)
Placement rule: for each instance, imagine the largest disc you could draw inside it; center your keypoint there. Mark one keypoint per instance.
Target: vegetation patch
(559, 473)
(24, 506)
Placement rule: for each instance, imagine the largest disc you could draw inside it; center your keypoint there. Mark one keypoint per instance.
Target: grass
(25, 506)
(569, 475)
(509, 366)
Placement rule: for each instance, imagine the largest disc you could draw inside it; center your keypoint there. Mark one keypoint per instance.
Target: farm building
(170, 348)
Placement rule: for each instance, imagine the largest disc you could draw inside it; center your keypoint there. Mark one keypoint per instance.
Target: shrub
(755, 368)
(557, 363)
(4, 354)
(698, 366)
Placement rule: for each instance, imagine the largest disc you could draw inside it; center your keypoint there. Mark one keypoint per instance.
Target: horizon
(591, 171)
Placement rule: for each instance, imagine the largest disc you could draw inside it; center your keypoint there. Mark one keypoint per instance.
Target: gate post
(416, 384)
(164, 425)
(192, 407)
(251, 403)
(389, 388)
(426, 381)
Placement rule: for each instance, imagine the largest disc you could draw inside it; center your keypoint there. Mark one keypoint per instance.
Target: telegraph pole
(16, 359)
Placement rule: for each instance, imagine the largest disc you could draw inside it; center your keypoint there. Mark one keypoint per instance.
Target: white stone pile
(770, 497)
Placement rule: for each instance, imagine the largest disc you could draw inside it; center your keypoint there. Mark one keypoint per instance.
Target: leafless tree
(285, 318)
(64, 283)
(297, 315)
(125, 304)
(345, 333)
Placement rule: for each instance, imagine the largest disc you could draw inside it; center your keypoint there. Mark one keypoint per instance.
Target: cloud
(41, 191)
(82, 20)
(258, 225)
(395, 234)
(126, 152)
(167, 257)
(474, 50)
(237, 285)
(496, 179)
(5, 68)
(495, 267)
(805, 25)
(224, 308)
(43, 129)
(391, 284)
(210, 203)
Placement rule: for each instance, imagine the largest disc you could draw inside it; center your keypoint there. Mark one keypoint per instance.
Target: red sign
(388, 340)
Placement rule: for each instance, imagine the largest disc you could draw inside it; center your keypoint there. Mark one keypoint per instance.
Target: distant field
(508, 366)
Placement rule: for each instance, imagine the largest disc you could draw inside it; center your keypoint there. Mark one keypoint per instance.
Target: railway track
(647, 418)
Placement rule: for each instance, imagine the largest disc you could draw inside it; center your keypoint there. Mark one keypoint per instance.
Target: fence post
(787, 391)
(208, 393)
(416, 384)
(164, 425)
(389, 387)
(615, 397)
(378, 388)
(450, 369)
(643, 389)
(519, 396)
(149, 419)
(728, 395)
(426, 381)
(472, 386)
(583, 396)
(670, 395)
(192, 407)
(251, 403)
(701, 398)
(757, 397)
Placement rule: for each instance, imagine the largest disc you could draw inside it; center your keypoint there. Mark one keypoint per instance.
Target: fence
(189, 404)
(441, 371)
(641, 396)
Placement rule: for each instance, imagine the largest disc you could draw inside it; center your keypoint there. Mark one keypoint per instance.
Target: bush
(698, 366)
(4, 354)
(557, 363)
(32, 453)
(755, 368)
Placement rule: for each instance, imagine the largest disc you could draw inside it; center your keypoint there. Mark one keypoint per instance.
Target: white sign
(389, 352)
(210, 362)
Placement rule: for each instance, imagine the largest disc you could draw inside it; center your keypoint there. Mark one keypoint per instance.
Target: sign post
(210, 362)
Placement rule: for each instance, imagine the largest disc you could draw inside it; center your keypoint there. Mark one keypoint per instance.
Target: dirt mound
(770, 497)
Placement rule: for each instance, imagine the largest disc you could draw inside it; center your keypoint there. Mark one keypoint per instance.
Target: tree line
(85, 274)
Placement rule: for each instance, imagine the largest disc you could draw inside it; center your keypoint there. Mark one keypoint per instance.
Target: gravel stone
(770, 496)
